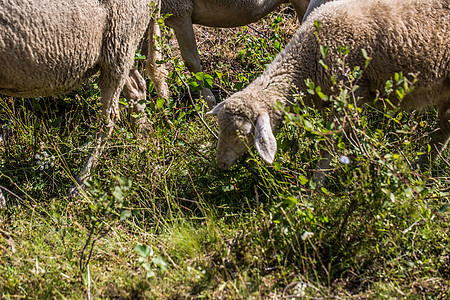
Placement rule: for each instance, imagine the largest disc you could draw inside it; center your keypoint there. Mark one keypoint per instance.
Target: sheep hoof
(319, 178)
(209, 98)
(162, 89)
(76, 191)
(143, 131)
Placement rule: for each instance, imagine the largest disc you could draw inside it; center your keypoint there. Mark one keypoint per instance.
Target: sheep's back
(49, 47)
(409, 36)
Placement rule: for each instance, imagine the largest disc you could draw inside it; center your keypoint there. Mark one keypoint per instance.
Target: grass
(163, 222)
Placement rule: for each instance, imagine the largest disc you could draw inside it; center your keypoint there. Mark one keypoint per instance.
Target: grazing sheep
(400, 35)
(50, 47)
(213, 13)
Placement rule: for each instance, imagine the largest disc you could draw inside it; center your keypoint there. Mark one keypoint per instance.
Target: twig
(88, 241)
(438, 215)
(170, 165)
(6, 190)
(440, 156)
(258, 32)
(193, 104)
(231, 245)
(89, 283)
(404, 156)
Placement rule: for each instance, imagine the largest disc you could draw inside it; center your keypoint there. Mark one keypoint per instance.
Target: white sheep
(406, 36)
(50, 47)
(214, 13)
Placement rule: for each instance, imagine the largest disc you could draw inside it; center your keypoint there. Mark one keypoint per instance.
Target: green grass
(163, 222)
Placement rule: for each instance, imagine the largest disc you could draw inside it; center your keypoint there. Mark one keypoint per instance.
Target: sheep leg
(188, 47)
(135, 91)
(312, 6)
(440, 142)
(322, 167)
(110, 111)
(300, 7)
(155, 70)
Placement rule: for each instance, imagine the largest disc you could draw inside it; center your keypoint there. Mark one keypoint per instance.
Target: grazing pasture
(162, 221)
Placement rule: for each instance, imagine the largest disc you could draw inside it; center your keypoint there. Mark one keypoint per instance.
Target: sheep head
(240, 127)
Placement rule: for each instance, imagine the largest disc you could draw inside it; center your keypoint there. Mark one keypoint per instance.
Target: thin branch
(440, 156)
(193, 104)
(6, 190)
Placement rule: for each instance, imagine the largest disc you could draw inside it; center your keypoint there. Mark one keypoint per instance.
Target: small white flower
(205, 148)
(306, 235)
(44, 160)
(344, 159)
(299, 289)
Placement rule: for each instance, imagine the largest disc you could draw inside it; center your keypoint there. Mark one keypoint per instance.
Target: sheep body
(226, 13)
(37, 37)
(49, 47)
(406, 36)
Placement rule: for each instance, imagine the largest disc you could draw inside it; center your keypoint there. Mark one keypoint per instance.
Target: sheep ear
(265, 141)
(216, 109)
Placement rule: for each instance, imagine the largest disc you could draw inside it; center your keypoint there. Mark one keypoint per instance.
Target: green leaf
(139, 56)
(317, 24)
(290, 201)
(319, 92)
(364, 53)
(207, 81)
(146, 266)
(303, 179)
(322, 63)
(118, 194)
(277, 45)
(308, 125)
(125, 183)
(160, 102)
(324, 50)
(160, 263)
(228, 188)
(277, 166)
(400, 93)
(445, 208)
(144, 250)
(135, 115)
(125, 215)
(325, 191)
(69, 253)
